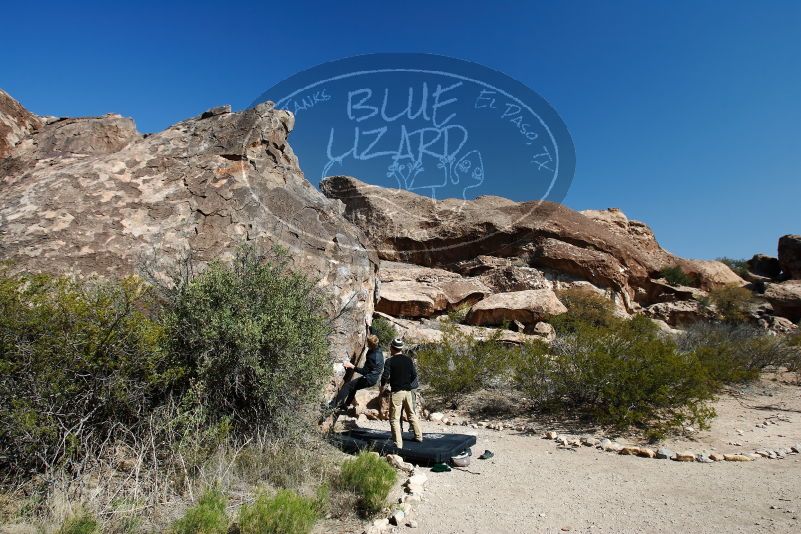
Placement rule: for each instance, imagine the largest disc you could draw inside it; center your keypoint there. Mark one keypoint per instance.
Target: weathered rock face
(527, 307)
(16, 123)
(785, 299)
(710, 273)
(679, 313)
(92, 195)
(426, 331)
(413, 291)
(790, 256)
(604, 248)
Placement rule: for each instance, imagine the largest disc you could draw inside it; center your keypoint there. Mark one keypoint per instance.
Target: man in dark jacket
(371, 372)
(401, 374)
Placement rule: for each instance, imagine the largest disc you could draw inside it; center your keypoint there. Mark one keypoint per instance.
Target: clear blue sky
(687, 115)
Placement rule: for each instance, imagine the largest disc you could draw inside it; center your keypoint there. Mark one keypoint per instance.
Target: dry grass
(126, 494)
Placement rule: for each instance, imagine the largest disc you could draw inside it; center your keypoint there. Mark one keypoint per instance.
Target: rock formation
(16, 123)
(790, 256)
(94, 196)
(764, 266)
(785, 297)
(519, 246)
(526, 307)
(414, 291)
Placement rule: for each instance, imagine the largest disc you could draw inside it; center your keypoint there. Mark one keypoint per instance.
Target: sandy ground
(531, 486)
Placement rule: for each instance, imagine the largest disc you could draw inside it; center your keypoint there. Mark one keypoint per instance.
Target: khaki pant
(403, 401)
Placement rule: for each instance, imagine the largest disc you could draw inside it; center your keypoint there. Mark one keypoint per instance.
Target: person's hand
(348, 365)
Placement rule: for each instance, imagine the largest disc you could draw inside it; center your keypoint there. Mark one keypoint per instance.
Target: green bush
(77, 362)
(461, 364)
(206, 517)
(733, 353)
(285, 513)
(80, 523)
(676, 276)
(794, 342)
(459, 314)
(732, 302)
(584, 306)
(623, 375)
(253, 341)
(370, 478)
(385, 331)
(740, 267)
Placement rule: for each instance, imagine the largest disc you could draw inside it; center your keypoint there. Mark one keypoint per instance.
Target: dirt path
(531, 486)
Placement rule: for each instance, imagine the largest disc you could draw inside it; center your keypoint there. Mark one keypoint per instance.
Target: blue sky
(686, 115)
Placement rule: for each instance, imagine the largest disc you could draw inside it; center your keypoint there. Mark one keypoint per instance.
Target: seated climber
(400, 372)
(371, 372)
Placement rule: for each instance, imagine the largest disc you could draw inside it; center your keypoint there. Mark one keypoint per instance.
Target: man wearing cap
(400, 372)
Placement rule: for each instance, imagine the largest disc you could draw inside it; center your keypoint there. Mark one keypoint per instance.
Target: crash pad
(435, 447)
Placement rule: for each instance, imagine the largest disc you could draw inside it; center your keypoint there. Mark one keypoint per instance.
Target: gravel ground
(531, 486)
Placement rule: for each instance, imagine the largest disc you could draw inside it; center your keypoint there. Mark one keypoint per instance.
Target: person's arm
(369, 362)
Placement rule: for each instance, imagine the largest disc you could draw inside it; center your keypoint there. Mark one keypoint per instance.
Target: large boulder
(92, 196)
(528, 307)
(426, 331)
(785, 297)
(790, 256)
(765, 266)
(413, 291)
(516, 278)
(710, 273)
(604, 248)
(679, 313)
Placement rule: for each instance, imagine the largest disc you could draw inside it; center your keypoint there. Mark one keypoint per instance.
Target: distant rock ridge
(604, 248)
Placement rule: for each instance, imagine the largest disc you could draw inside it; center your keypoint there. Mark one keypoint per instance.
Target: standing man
(371, 372)
(401, 373)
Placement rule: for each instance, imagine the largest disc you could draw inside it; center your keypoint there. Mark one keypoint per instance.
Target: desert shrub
(322, 499)
(623, 375)
(731, 302)
(286, 463)
(77, 362)
(459, 314)
(252, 340)
(740, 267)
(80, 523)
(733, 353)
(584, 306)
(794, 342)
(205, 517)
(676, 276)
(370, 478)
(285, 513)
(460, 363)
(385, 331)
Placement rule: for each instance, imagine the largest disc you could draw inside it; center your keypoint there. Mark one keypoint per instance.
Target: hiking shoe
(440, 468)
(486, 455)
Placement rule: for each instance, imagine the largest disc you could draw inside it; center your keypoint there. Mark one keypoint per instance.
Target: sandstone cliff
(604, 248)
(94, 196)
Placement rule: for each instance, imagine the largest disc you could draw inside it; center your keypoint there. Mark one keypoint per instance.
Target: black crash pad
(435, 448)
